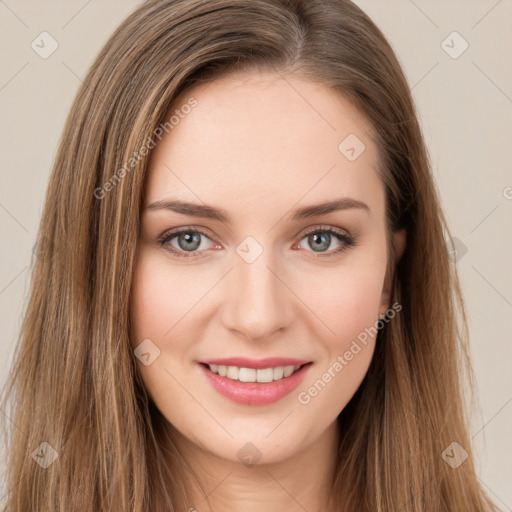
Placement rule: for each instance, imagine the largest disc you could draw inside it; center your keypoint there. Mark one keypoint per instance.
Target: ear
(399, 240)
(399, 243)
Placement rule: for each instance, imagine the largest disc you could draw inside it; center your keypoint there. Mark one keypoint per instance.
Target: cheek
(161, 299)
(348, 303)
(355, 304)
(351, 314)
(346, 300)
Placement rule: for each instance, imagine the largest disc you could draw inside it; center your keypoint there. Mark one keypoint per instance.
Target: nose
(258, 302)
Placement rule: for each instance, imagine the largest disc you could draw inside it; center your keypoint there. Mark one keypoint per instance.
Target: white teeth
(278, 372)
(288, 370)
(247, 375)
(232, 372)
(253, 375)
(265, 375)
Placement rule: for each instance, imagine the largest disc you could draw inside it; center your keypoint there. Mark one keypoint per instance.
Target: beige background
(465, 105)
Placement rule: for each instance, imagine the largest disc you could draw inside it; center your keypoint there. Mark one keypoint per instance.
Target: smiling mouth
(260, 375)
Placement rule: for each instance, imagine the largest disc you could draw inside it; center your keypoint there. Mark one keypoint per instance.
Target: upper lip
(269, 362)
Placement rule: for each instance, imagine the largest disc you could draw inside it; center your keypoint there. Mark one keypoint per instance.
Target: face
(249, 282)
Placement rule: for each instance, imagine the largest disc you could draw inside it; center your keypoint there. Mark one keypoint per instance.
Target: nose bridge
(257, 303)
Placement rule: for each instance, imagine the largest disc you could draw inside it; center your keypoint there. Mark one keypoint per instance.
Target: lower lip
(255, 393)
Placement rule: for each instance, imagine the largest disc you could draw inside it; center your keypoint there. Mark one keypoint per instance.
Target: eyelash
(348, 241)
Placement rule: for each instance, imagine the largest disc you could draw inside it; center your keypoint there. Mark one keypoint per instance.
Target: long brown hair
(74, 383)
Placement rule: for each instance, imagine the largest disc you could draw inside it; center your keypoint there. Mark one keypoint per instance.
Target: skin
(250, 138)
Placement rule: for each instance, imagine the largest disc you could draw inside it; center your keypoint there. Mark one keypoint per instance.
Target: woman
(242, 296)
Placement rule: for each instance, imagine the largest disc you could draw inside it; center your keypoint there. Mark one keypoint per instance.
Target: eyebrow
(209, 212)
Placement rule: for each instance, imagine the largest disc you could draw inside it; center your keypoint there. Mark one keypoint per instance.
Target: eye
(188, 242)
(320, 239)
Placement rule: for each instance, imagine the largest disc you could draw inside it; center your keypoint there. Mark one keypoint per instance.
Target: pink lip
(255, 393)
(269, 362)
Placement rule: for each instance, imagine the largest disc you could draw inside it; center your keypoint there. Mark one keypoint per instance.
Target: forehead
(265, 139)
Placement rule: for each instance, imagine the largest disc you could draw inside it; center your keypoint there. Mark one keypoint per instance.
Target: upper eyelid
(205, 231)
